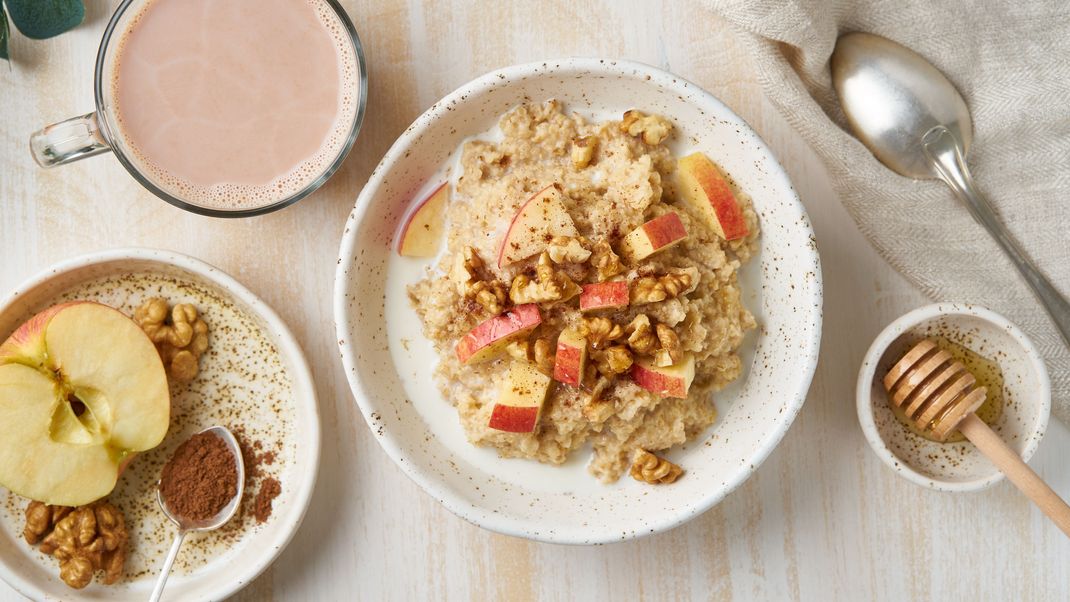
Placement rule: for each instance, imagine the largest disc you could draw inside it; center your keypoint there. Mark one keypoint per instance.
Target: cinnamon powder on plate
(200, 479)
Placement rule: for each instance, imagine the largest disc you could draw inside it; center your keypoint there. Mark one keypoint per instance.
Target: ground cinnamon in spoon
(200, 479)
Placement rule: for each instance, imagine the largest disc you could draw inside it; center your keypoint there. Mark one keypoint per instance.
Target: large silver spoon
(914, 121)
(186, 525)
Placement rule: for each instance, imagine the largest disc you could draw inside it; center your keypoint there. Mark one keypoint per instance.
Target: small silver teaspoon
(187, 526)
(915, 122)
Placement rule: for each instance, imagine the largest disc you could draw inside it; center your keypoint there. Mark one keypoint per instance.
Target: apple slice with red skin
(538, 221)
(82, 391)
(491, 336)
(667, 381)
(705, 189)
(604, 295)
(520, 401)
(570, 361)
(423, 230)
(656, 235)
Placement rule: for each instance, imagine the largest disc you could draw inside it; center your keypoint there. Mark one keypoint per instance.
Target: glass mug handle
(67, 141)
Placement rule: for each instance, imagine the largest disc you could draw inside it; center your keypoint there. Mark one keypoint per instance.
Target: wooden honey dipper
(939, 395)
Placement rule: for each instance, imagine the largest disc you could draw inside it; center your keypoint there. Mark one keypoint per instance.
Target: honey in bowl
(988, 375)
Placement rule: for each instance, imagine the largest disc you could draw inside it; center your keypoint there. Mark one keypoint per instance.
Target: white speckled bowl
(36, 576)
(954, 466)
(392, 382)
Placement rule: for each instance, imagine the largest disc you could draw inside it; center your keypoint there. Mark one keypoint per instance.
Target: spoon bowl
(227, 512)
(892, 97)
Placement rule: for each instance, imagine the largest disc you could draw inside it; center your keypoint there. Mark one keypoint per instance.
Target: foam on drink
(234, 104)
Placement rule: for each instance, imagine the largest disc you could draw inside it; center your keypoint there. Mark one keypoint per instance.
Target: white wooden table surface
(822, 519)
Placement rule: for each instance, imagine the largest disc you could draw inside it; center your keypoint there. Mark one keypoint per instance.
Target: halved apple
(705, 189)
(666, 381)
(423, 230)
(604, 295)
(491, 336)
(570, 361)
(520, 402)
(656, 235)
(537, 222)
(82, 389)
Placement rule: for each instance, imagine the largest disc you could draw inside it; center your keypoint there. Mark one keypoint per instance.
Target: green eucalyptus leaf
(3, 35)
(40, 19)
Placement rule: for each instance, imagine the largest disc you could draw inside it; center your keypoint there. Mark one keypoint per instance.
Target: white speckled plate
(253, 378)
(392, 379)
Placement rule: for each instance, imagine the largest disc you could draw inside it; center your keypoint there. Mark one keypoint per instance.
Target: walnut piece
(181, 338)
(641, 337)
(583, 151)
(606, 263)
(549, 284)
(613, 360)
(41, 519)
(566, 249)
(653, 289)
(543, 355)
(653, 129)
(490, 294)
(519, 350)
(466, 268)
(649, 468)
(669, 353)
(600, 331)
(86, 540)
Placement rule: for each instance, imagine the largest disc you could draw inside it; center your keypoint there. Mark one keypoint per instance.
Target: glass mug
(98, 132)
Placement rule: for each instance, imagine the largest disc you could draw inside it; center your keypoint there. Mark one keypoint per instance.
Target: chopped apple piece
(491, 337)
(666, 381)
(570, 362)
(538, 221)
(520, 402)
(604, 295)
(656, 235)
(82, 390)
(705, 189)
(423, 230)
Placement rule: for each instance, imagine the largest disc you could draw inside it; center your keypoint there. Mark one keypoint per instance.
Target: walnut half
(181, 338)
(549, 284)
(653, 289)
(653, 129)
(649, 468)
(86, 540)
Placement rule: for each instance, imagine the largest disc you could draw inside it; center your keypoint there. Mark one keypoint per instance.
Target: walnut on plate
(649, 468)
(641, 337)
(669, 353)
(181, 337)
(653, 129)
(85, 540)
(549, 284)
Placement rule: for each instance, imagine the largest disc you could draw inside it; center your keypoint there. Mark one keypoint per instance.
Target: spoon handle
(945, 152)
(161, 581)
(1019, 473)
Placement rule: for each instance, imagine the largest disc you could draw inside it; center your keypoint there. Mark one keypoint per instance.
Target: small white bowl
(35, 576)
(389, 364)
(955, 466)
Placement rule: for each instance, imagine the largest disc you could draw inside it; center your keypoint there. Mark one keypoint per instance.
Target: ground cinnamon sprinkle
(201, 478)
(270, 488)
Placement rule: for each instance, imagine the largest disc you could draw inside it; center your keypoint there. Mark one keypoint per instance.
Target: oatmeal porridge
(588, 290)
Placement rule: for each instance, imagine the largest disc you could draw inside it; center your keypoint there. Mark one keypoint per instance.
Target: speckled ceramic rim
(485, 517)
(864, 387)
(241, 574)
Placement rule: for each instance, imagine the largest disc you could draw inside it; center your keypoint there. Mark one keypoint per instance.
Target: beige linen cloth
(1010, 59)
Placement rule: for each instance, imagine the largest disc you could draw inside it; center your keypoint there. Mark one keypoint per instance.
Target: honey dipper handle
(1010, 464)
